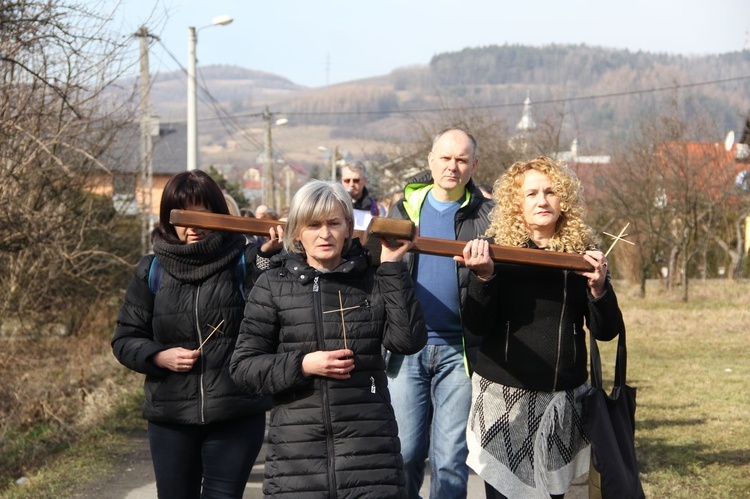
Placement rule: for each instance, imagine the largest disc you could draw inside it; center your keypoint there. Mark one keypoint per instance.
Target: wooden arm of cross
(388, 228)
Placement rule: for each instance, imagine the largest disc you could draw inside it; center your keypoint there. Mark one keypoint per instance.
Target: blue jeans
(431, 396)
(209, 461)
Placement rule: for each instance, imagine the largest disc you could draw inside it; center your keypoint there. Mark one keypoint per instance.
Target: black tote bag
(609, 423)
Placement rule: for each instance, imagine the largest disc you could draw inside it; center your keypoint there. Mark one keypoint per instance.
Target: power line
(520, 104)
(227, 120)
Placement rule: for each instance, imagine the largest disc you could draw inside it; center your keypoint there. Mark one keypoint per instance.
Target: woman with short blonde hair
(314, 329)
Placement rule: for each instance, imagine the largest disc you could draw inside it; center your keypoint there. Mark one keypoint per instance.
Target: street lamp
(334, 156)
(192, 92)
(269, 196)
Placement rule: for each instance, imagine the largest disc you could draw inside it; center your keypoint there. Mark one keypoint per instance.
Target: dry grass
(690, 363)
(56, 391)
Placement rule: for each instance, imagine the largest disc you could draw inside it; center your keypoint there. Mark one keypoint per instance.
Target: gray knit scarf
(196, 262)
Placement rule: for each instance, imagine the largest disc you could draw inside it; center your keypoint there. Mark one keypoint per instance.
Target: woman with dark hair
(524, 432)
(312, 336)
(178, 326)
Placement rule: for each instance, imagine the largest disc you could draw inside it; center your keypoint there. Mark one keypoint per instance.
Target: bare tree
(58, 243)
(676, 194)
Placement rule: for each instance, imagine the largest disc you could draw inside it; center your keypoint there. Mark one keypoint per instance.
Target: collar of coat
(356, 260)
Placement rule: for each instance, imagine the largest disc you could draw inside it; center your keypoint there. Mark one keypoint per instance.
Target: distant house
(287, 179)
(126, 181)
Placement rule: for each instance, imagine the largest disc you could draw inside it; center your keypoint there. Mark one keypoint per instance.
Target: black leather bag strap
(621, 365)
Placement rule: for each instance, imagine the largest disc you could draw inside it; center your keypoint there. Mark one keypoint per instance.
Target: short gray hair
(357, 166)
(316, 201)
(473, 139)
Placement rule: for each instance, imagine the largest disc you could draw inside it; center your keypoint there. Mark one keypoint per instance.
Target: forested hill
(556, 64)
(593, 93)
(600, 92)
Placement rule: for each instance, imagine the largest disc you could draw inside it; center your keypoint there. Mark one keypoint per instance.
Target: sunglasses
(350, 180)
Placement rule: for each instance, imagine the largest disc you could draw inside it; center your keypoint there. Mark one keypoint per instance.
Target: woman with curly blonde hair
(524, 433)
(508, 227)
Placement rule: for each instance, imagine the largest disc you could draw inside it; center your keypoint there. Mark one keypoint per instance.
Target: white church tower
(527, 123)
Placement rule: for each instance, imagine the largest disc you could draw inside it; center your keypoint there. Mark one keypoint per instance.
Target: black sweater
(531, 320)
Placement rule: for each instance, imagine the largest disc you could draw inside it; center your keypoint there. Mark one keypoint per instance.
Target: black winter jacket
(532, 320)
(367, 203)
(329, 438)
(472, 220)
(179, 315)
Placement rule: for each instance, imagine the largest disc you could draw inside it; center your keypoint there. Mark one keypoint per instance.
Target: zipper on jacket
(560, 328)
(202, 400)
(372, 386)
(320, 333)
(575, 347)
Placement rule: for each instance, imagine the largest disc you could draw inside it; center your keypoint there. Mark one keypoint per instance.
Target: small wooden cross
(618, 237)
(341, 309)
(214, 329)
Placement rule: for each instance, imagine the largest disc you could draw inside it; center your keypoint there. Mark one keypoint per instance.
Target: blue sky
(315, 43)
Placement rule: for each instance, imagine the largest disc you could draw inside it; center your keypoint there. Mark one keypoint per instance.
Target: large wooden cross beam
(388, 228)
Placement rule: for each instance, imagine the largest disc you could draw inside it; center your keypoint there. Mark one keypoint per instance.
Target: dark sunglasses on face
(350, 180)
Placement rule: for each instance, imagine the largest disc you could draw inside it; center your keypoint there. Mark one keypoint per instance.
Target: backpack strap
(155, 272)
(240, 273)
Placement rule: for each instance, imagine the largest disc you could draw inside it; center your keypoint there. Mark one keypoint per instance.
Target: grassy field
(689, 361)
(691, 364)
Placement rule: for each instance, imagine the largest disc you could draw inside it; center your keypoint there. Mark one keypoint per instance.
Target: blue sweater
(436, 281)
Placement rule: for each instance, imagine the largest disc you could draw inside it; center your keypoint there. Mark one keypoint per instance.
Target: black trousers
(215, 459)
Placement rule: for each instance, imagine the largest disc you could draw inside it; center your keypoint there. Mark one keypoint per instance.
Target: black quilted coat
(329, 438)
(178, 315)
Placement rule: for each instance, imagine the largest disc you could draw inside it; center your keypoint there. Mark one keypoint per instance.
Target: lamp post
(269, 194)
(192, 92)
(334, 157)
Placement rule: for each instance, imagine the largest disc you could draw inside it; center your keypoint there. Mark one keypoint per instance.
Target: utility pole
(288, 180)
(192, 91)
(267, 183)
(192, 104)
(268, 187)
(334, 157)
(147, 182)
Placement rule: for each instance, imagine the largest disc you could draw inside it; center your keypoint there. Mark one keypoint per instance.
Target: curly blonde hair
(507, 224)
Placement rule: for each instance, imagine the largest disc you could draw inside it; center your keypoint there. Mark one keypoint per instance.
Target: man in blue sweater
(431, 390)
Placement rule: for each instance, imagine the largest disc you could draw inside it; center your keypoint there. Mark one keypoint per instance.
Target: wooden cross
(214, 329)
(389, 228)
(342, 309)
(618, 237)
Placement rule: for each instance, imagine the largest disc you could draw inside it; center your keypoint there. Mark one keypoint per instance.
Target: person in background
(354, 180)
(432, 389)
(312, 335)
(178, 326)
(524, 433)
(270, 214)
(232, 205)
(486, 190)
(260, 210)
(251, 239)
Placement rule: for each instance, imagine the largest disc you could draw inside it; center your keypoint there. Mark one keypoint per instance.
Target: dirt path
(134, 479)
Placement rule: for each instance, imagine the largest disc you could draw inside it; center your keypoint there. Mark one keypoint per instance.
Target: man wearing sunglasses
(354, 180)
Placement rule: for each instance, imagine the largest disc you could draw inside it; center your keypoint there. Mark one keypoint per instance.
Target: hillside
(593, 93)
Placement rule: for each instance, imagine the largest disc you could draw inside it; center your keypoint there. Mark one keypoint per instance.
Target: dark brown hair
(193, 187)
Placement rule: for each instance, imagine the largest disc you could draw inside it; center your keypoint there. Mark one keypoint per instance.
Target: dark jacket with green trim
(471, 222)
